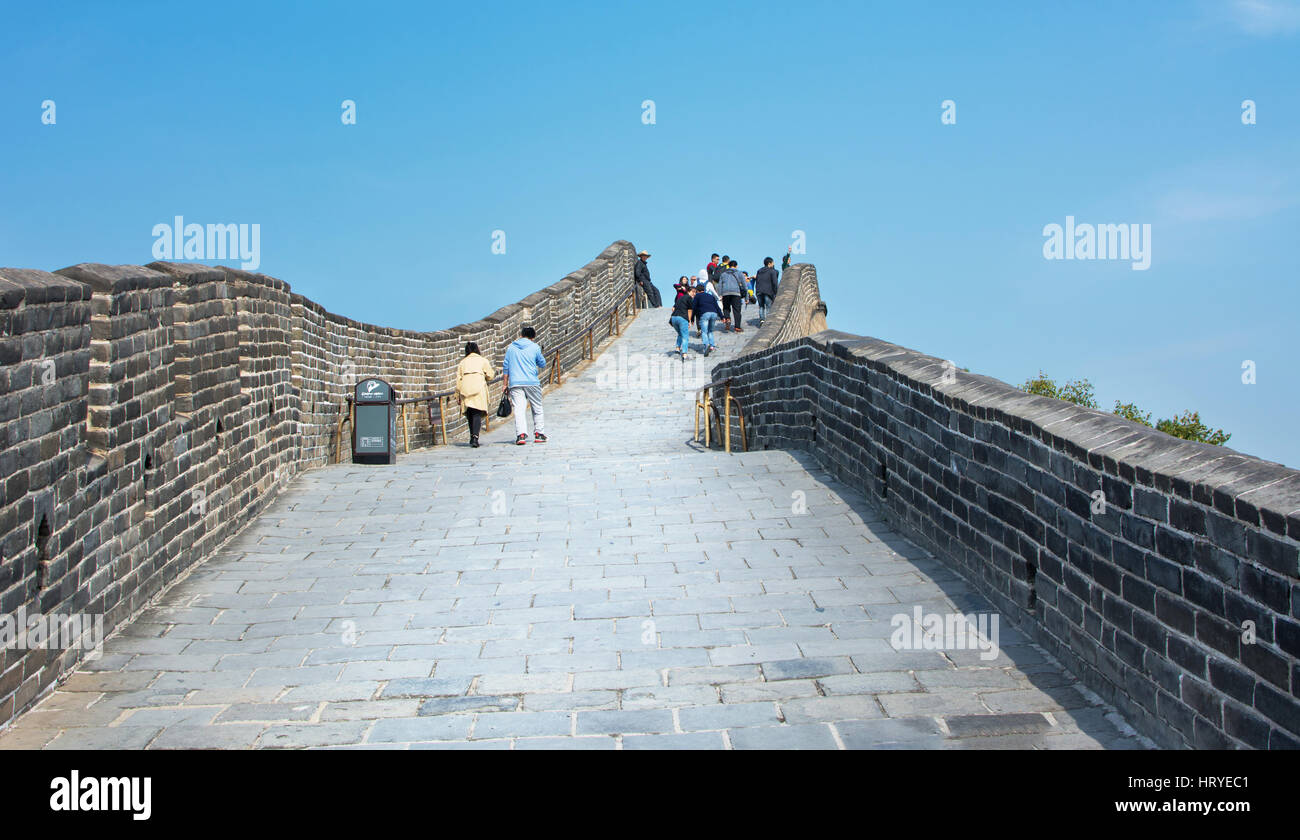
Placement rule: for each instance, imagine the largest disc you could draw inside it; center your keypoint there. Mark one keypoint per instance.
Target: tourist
(683, 310)
(717, 268)
(523, 359)
(732, 286)
(641, 273)
(705, 283)
(785, 261)
(706, 311)
(765, 286)
(472, 377)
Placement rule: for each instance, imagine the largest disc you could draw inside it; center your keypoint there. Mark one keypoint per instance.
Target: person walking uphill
(766, 283)
(683, 312)
(641, 274)
(523, 359)
(706, 311)
(472, 377)
(733, 288)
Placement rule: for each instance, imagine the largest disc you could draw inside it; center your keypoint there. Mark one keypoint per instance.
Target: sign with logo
(373, 390)
(374, 427)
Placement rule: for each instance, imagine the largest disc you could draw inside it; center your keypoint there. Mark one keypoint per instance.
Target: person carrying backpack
(716, 268)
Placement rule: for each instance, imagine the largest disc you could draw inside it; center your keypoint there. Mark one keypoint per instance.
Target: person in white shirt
(704, 280)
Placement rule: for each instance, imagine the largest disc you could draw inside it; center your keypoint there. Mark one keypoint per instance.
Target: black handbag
(503, 409)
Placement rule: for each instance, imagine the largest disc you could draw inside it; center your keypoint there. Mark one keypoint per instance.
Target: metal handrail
(554, 377)
(704, 402)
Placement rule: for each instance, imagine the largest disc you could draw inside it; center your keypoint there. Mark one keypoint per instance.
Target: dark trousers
(652, 298)
(731, 309)
(475, 417)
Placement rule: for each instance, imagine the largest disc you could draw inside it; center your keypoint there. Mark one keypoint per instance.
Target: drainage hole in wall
(42, 553)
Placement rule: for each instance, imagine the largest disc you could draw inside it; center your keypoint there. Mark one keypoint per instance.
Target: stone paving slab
(619, 587)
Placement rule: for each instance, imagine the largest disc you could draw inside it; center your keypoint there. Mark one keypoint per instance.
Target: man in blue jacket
(706, 315)
(523, 359)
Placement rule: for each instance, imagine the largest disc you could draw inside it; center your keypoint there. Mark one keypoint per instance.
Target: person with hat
(641, 274)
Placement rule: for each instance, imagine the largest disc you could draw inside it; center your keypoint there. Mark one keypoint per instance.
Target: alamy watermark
(624, 371)
(57, 631)
(180, 241)
(74, 792)
(1098, 242)
(946, 631)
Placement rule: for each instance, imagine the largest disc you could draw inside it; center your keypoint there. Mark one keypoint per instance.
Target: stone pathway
(616, 588)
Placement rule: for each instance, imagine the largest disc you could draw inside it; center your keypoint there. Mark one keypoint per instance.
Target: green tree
(1077, 391)
(1187, 425)
(1129, 411)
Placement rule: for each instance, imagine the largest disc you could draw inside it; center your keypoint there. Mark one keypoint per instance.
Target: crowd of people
(714, 300)
(711, 302)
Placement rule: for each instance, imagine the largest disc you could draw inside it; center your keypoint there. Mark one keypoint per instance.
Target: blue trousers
(707, 320)
(683, 332)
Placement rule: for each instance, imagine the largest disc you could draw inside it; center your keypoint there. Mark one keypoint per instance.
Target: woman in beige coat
(472, 378)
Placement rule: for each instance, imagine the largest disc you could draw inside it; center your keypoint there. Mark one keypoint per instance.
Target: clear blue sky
(770, 118)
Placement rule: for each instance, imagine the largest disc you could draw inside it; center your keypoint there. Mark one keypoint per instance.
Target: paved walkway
(618, 587)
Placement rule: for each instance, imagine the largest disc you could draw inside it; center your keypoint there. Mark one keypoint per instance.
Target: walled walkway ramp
(616, 588)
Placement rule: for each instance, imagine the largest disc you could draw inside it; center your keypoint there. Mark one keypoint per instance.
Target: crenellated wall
(1138, 559)
(148, 413)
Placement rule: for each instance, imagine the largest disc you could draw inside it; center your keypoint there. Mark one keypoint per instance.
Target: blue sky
(769, 118)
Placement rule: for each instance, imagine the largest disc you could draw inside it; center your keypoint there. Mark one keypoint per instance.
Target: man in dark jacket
(765, 285)
(706, 310)
(641, 274)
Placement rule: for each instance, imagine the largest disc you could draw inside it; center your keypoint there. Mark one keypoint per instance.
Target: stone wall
(148, 413)
(797, 310)
(1134, 557)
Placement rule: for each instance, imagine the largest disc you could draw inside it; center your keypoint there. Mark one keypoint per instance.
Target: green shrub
(1077, 391)
(1187, 425)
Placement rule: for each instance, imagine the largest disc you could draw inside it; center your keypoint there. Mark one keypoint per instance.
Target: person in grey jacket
(766, 283)
(641, 274)
(732, 286)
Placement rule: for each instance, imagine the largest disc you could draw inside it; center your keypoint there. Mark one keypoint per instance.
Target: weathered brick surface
(798, 309)
(148, 413)
(1145, 597)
